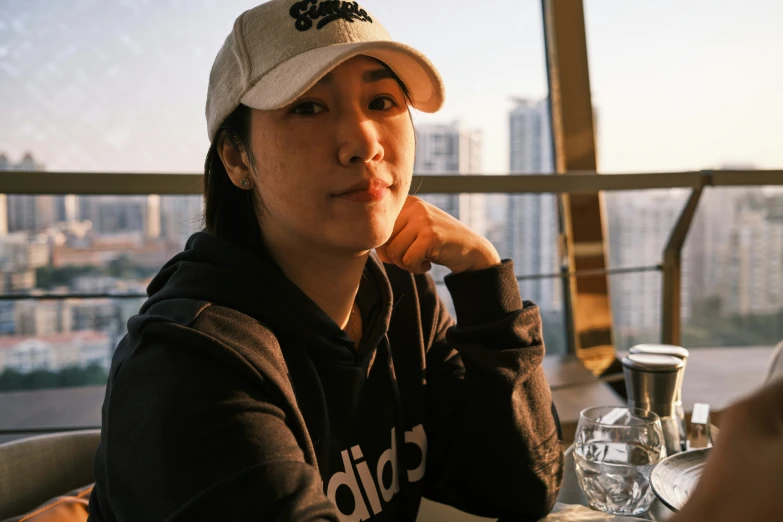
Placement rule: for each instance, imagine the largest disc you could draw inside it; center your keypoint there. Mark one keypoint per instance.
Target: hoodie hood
(217, 271)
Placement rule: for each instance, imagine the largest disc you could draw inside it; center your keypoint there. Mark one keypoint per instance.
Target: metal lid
(661, 349)
(645, 362)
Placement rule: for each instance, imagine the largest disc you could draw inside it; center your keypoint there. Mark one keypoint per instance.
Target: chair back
(36, 469)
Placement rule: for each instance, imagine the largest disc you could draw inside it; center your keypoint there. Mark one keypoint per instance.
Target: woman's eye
(307, 108)
(382, 103)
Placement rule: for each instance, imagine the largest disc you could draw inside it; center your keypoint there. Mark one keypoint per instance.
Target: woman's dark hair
(230, 212)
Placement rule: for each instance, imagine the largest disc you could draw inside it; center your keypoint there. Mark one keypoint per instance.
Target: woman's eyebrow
(377, 75)
(371, 76)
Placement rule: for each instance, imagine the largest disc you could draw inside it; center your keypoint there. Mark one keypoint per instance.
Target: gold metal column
(582, 215)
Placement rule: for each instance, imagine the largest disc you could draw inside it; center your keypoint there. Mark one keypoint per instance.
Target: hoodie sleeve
(187, 438)
(495, 447)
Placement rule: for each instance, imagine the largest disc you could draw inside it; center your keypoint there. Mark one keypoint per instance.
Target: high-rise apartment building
(122, 214)
(451, 149)
(30, 213)
(531, 219)
(180, 217)
(753, 265)
(640, 224)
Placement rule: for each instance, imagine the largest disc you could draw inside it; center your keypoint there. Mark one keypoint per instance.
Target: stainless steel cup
(674, 351)
(651, 382)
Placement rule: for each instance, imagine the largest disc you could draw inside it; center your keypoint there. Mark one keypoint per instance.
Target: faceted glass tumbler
(614, 452)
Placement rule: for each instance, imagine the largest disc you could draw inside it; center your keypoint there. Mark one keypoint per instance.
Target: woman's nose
(359, 140)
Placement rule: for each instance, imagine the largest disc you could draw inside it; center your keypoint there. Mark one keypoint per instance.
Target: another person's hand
(424, 234)
(743, 478)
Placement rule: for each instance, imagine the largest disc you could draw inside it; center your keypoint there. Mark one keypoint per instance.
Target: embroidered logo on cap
(327, 11)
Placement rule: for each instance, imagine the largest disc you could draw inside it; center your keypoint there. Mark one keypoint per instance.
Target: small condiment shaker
(680, 353)
(701, 436)
(651, 382)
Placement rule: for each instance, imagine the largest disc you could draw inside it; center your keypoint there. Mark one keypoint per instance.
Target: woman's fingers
(381, 251)
(416, 257)
(408, 250)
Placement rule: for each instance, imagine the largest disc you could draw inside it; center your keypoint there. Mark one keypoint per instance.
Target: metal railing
(96, 183)
(44, 296)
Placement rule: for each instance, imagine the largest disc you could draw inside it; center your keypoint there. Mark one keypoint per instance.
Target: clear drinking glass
(614, 452)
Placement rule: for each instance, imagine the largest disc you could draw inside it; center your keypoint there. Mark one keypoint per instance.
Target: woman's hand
(743, 478)
(424, 234)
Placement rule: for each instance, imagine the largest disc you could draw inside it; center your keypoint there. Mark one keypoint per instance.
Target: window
(692, 86)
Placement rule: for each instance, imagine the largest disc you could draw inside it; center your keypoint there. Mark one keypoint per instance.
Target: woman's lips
(371, 194)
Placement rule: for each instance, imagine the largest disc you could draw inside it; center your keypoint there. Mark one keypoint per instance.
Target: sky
(120, 85)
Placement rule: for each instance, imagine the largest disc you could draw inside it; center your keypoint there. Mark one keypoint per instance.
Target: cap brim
(292, 78)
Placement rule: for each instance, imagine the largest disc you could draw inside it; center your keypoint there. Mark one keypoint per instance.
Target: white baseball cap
(280, 49)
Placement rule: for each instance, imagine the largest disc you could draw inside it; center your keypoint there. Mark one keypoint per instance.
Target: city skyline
(732, 265)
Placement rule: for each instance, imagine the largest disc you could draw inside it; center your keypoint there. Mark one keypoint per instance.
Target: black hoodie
(235, 397)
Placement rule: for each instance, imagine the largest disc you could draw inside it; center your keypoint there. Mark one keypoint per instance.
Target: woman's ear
(236, 163)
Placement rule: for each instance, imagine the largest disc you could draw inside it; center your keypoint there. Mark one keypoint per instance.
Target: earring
(244, 183)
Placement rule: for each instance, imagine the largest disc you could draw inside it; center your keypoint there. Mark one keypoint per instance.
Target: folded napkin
(577, 513)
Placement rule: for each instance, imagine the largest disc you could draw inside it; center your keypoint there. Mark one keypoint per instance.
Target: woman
(280, 370)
